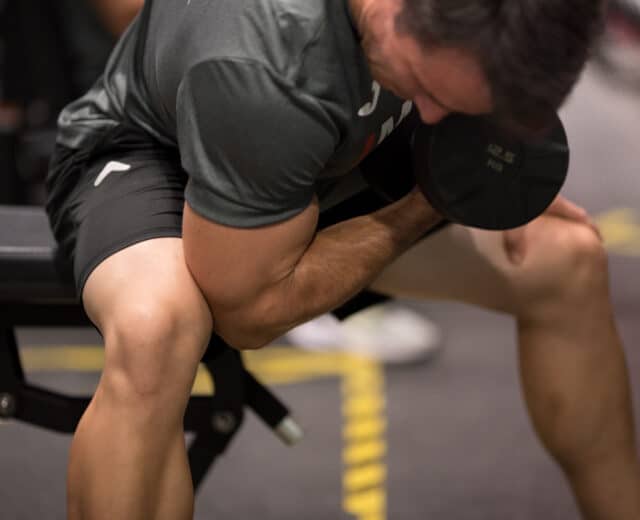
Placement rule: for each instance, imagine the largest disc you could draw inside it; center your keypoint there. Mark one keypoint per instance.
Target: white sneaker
(390, 333)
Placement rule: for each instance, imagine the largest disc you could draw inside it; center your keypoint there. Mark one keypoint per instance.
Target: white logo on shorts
(112, 166)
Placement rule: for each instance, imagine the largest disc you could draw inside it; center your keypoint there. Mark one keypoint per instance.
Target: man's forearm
(341, 261)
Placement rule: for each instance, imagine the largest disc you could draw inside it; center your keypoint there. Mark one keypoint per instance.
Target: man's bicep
(235, 266)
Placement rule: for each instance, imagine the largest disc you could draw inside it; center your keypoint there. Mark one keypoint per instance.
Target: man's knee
(152, 349)
(568, 262)
(582, 253)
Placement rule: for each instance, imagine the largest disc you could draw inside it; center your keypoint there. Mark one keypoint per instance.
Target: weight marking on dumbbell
(499, 152)
(495, 165)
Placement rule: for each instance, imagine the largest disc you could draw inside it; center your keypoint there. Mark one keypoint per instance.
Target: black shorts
(117, 190)
(124, 187)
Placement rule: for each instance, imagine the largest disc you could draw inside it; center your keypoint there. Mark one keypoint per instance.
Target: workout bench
(34, 292)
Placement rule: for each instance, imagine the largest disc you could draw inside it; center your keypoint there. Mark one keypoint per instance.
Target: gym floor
(448, 439)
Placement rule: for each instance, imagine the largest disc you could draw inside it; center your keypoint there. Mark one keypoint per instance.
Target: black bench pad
(28, 270)
(30, 273)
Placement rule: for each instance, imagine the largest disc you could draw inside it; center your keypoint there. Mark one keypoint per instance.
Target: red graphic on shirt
(368, 146)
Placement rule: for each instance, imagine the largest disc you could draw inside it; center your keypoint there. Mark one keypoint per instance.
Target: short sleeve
(251, 144)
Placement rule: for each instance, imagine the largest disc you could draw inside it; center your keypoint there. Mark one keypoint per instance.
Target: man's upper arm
(234, 267)
(253, 146)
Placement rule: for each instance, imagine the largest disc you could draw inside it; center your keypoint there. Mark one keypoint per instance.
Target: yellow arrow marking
(364, 477)
(367, 504)
(620, 229)
(363, 405)
(365, 429)
(360, 453)
(365, 446)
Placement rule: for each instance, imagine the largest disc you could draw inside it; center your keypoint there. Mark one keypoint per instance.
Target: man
(188, 186)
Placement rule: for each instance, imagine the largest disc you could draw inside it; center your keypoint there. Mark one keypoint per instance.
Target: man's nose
(430, 112)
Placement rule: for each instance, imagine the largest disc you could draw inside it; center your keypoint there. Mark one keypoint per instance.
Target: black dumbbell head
(479, 175)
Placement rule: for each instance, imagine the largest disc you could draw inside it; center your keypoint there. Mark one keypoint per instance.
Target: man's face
(439, 81)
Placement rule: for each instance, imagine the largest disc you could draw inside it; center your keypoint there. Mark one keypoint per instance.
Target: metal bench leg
(215, 419)
(22, 401)
(11, 374)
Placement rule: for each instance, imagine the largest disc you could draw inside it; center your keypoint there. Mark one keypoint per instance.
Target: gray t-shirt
(268, 101)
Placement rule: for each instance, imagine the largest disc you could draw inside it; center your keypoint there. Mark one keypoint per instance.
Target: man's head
(518, 59)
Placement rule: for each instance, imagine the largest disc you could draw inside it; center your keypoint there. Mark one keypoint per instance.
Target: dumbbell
(477, 174)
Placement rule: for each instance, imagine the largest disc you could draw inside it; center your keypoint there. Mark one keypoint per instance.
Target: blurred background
(448, 436)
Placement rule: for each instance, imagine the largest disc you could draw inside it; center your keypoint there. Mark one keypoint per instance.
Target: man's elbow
(242, 333)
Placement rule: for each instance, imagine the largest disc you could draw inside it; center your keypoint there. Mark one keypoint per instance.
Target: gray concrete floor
(460, 443)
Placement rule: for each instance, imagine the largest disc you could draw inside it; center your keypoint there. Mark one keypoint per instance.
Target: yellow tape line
(365, 446)
(368, 504)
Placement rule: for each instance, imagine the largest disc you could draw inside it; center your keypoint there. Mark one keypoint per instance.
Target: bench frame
(213, 419)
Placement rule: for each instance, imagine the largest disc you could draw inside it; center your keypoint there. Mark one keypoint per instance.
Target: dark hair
(532, 51)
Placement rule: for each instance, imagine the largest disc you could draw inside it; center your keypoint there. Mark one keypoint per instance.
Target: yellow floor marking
(87, 359)
(365, 429)
(362, 386)
(79, 358)
(620, 229)
(366, 451)
(364, 477)
(275, 365)
(365, 445)
(363, 405)
(367, 504)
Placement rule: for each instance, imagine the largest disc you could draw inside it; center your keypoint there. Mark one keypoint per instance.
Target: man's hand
(515, 242)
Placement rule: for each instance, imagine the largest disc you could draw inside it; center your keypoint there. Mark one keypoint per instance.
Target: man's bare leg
(572, 364)
(128, 457)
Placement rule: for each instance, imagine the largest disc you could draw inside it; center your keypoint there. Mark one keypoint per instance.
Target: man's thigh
(471, 265)
(147, 285)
